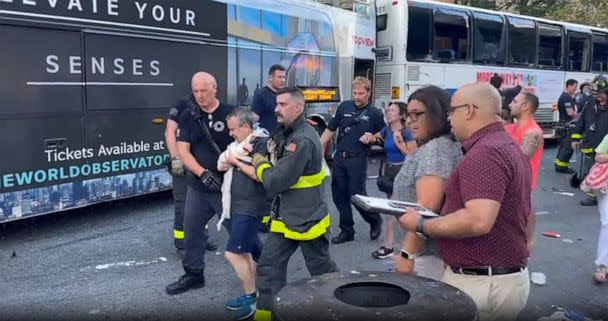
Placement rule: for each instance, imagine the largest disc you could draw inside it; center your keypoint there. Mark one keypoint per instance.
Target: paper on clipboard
(386, 206)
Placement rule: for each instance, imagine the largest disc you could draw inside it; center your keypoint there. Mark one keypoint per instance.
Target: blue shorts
(244, 235)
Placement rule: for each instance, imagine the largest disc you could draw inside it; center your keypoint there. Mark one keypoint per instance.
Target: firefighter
(293, 173)
(566, 105)
(590, 129)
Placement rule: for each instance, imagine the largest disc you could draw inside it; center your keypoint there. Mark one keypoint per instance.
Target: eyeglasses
(453, 108)
(413, 116)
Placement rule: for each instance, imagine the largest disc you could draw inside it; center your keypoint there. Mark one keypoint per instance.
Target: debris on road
(538, 278)
(551, 234)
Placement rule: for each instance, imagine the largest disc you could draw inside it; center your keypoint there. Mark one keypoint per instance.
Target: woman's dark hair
(437, 102)
(402, 109)
(496, 81)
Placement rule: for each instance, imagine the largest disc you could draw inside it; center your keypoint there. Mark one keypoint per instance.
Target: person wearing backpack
(398, 143)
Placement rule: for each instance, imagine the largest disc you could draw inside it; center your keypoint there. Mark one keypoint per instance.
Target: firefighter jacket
(591, 127)
(295, 180)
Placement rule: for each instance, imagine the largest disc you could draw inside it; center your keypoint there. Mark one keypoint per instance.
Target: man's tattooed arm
(530, 143)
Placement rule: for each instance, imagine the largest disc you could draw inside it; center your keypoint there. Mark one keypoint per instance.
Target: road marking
(124, 264)
(564, 193)
(543, 213)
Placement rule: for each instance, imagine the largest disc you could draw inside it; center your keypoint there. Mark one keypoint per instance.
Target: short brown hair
(532, 100)
(359, 80)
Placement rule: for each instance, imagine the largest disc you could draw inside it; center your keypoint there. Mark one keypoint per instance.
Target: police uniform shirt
(565, 101)
(184, 104)
(352, 123)
(248, 196)
(202, 150)
(264, 104)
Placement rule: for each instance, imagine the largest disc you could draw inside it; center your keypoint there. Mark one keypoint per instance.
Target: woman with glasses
(422, 177)
(397, 142)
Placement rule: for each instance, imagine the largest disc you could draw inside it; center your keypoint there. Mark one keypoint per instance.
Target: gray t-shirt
(438, 157)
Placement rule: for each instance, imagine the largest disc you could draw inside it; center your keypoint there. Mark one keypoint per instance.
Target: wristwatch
(407, 255)
(420, 228)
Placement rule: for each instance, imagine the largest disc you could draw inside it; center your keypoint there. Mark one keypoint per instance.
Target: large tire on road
(382, 296)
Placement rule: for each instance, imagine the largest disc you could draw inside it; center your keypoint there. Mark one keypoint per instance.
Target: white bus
(86, 85)
(424, 43)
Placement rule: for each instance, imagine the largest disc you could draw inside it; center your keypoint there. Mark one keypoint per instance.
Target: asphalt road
(113, 261)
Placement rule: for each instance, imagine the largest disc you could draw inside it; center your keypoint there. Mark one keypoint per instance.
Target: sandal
(601, 275)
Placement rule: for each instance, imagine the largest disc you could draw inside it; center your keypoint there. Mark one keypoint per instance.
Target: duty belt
(349, 154)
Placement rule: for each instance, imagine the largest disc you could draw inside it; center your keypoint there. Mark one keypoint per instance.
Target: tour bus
(86, 86)
(424, 43)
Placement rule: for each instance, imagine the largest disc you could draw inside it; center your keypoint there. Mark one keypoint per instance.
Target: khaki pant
(498, 298)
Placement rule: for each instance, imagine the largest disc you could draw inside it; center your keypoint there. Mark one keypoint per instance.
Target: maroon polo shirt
(493, 167)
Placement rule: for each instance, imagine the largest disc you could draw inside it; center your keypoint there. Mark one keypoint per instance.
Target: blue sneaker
(245, 312)
(235, 304)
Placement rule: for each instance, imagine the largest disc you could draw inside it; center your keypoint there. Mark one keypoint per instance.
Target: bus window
(578, 51)
(419, 33)
(600, 52)
(381, 22)
(451, 36)
(550, 46)
(522, 42)
(488, 40)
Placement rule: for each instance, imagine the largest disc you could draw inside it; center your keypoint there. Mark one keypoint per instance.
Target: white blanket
(238, 151)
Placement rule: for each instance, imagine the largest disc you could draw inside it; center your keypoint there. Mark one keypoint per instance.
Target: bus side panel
(40, 107)
(123, 112)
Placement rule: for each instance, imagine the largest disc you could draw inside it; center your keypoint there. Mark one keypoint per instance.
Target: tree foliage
(586, 12)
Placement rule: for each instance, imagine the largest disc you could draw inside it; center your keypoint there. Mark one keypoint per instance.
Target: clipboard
(389, 207)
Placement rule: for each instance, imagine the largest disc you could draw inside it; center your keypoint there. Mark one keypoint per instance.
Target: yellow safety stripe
(265, 219)
(587, 150)
(260, 170)
(310, 180)
(178, 235)
(560, 163)
(312, 233)
(576, 136)
(262, 315)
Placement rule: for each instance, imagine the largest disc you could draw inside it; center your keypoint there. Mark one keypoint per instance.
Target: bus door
(41, 95)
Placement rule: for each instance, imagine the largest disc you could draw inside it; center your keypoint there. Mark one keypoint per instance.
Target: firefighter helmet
(599, 84)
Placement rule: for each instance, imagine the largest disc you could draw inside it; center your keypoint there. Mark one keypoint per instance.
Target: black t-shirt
(565, 101)
(184, 104)
(247, 196)
(353, 122)
(264, 104)
(191, 132)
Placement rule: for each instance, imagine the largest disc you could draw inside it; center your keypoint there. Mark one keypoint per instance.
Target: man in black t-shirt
(265, 99)
(203, 135)
(566, 106)
(356, 121)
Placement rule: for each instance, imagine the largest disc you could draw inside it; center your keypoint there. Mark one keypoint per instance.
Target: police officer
(294, 174)
(203, 135)
(178, 174)
(357, 121)
(566, 106)
(590, 129)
